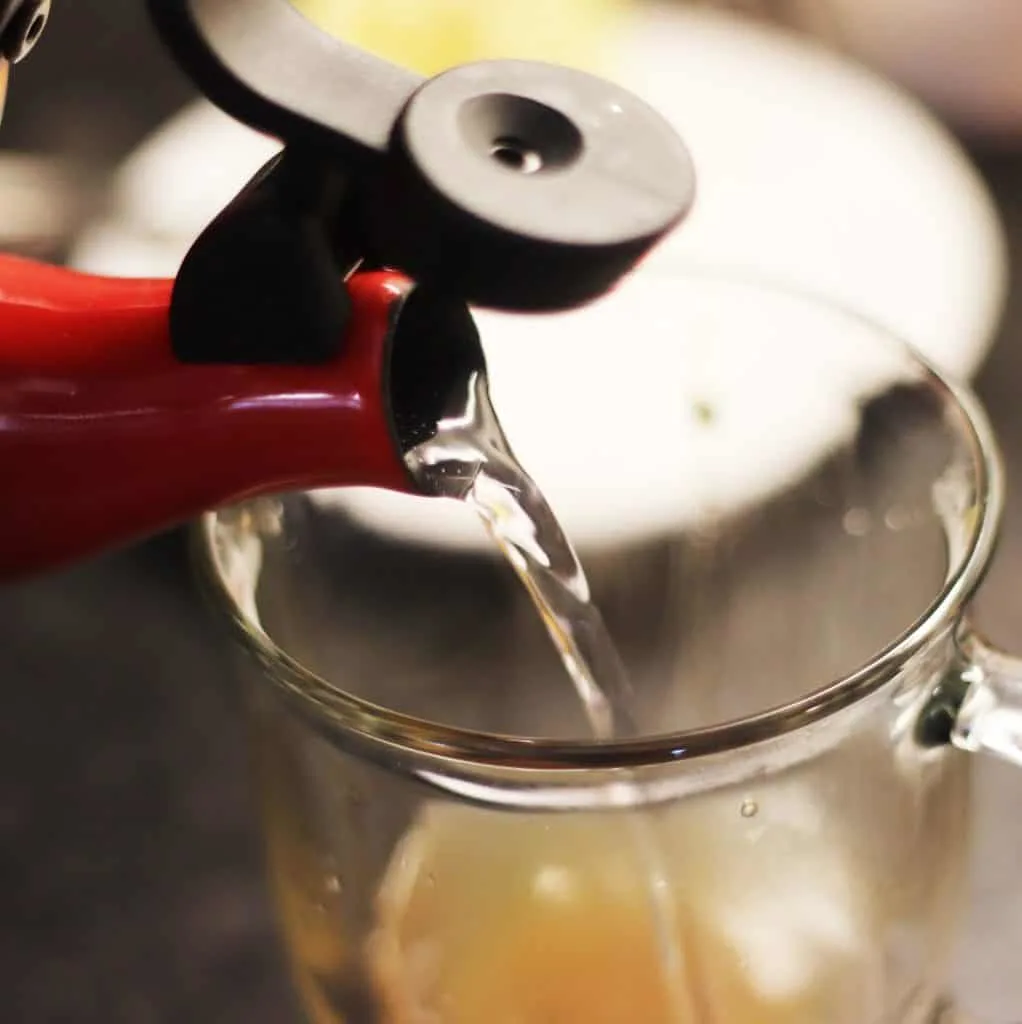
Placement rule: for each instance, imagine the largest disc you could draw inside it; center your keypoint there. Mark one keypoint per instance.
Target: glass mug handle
(978, 706)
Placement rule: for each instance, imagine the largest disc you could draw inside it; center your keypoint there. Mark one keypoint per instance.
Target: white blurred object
(810, 170)
(815, 173)
(669, 403)
(812, 173)
(961, 56)
(782, 891)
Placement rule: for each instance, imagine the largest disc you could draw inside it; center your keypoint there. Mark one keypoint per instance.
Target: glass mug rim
(361, 719)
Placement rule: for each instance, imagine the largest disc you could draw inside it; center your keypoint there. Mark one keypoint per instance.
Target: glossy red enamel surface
(105, 437)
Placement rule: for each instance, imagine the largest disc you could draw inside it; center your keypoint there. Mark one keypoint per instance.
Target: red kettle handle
(106, 437)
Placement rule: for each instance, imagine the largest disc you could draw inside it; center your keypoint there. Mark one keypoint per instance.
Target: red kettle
(317, 326)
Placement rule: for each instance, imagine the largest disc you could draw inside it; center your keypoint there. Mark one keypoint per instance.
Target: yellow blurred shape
(432, 35)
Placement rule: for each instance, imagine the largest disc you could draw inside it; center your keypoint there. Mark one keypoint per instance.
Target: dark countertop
(130, 866)
(131, 886)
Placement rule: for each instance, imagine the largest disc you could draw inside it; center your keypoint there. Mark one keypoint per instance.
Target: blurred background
(871, 149)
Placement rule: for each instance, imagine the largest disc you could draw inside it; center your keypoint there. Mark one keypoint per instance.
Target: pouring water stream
(470, 459)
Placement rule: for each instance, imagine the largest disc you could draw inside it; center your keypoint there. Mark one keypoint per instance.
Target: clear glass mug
(786, 841)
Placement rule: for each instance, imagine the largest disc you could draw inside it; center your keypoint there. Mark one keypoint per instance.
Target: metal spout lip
(432, 349)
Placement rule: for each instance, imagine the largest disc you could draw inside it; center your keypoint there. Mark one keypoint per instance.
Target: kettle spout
(106, 437)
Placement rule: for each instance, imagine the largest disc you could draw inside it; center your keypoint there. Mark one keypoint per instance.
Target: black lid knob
(528, 185)
(513, 184)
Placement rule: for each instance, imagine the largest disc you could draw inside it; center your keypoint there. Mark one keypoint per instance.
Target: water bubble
(749, 808)
(857, 522)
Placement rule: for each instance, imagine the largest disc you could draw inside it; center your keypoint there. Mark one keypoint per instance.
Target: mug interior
(777, 505)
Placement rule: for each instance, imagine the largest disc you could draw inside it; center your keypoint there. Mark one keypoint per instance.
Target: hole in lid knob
(516, 155)
(520, 134)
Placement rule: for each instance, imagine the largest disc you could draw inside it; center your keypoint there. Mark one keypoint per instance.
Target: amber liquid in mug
(651, 916)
